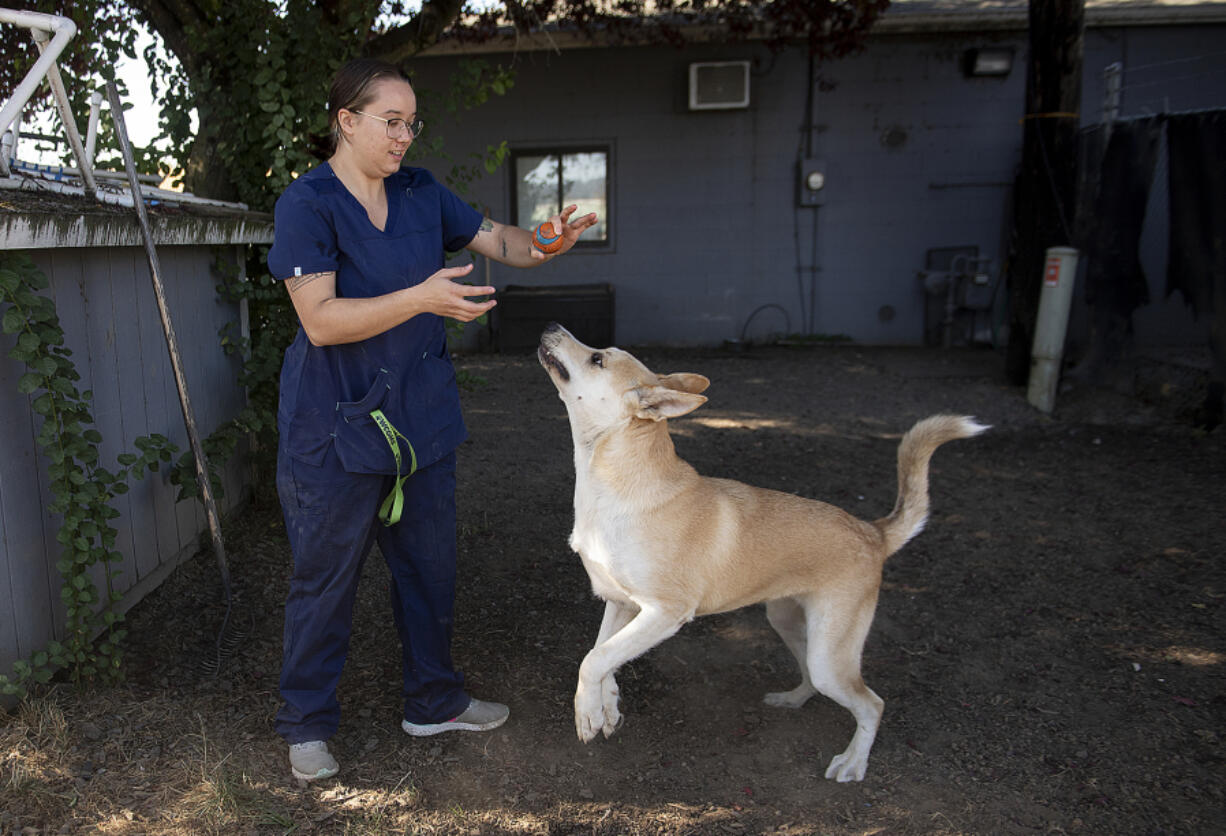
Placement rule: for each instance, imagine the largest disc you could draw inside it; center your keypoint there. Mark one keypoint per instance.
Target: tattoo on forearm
(486, 226)
(504, 247)
(296, 282)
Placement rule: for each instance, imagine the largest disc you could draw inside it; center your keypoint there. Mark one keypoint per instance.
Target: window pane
(537, 190)
(585, 183)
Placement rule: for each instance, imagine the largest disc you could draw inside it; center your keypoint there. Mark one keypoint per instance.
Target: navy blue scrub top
(328, 392)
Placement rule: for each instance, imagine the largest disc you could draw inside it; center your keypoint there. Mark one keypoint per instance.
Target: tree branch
(422, 30)
(173, 20)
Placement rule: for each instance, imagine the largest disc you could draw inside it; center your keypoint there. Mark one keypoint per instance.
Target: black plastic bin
(522, 312)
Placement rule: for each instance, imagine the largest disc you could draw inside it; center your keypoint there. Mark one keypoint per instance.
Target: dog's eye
(598, 359)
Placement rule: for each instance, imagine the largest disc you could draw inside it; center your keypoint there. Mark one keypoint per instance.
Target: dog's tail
(921, 441)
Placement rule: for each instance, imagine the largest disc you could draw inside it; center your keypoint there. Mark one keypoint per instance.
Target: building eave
(902, 17)
(37, 220)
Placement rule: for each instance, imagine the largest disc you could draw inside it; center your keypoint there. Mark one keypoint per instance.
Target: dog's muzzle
(546, 356)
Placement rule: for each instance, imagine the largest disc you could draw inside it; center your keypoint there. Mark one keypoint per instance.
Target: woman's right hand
(443, 294)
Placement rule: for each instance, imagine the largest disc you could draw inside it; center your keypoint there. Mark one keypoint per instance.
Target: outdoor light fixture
(987, 62)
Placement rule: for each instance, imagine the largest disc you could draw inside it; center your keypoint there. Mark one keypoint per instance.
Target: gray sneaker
(311, 762)
(479, 716)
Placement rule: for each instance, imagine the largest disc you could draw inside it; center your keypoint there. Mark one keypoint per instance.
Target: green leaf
(29, 382)
(29, 342)
(13, 321)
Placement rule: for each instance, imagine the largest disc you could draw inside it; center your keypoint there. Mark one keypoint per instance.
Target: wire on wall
(804, 150)
(1151, 82)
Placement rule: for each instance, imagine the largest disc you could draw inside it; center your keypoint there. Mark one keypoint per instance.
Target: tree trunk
(1045, 196)
(205, 175)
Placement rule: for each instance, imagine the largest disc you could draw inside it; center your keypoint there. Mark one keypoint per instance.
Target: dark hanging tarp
(1115, 280)
(1196, 265)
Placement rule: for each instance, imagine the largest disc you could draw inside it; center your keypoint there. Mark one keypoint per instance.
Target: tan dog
(662, 544)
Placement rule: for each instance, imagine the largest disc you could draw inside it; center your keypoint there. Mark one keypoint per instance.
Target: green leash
(390, 510)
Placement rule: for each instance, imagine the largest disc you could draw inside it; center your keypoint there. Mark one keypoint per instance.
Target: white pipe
(66, 116)
(11, 139)
(91, 132)
(20, 166)
(63, 29)
(1059, 273)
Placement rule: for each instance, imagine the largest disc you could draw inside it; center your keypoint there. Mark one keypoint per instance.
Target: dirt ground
(1051, 650)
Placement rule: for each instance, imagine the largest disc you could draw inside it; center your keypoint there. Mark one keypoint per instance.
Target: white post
(91, 132)
(1059, 272)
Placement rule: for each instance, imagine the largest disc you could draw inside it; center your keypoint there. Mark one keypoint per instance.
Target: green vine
(81, 488)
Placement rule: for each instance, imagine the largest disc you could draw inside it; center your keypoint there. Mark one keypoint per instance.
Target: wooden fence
(101, 286)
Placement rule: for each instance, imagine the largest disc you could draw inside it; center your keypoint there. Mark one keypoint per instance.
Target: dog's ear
(685, 382)
(655, 403)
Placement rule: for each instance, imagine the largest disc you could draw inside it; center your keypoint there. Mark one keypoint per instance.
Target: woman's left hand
(571, 230)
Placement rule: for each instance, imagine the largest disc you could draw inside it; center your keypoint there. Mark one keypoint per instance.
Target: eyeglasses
(396, 127)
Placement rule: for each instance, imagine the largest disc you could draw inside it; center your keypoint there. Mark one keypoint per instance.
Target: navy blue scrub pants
(330, 517)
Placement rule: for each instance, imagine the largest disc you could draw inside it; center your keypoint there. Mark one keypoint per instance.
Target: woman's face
(376, 152)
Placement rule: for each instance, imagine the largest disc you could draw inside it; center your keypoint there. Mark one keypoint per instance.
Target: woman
(369, 416)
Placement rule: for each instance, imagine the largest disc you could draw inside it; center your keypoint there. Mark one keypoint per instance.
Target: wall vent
(719, 85)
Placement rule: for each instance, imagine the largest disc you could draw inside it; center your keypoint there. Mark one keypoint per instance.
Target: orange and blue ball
(546, 240)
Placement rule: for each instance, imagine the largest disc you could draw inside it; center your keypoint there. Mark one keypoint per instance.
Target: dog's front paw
(589, 714)
(586, 728)
(611, 703)
(795, 698)
(844, 768)
(596, 710)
